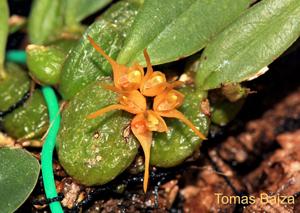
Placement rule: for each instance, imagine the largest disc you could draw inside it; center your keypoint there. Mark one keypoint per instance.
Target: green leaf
(19, 172)
(84, 64)
(252, 42)
(3, 33)
(95, 151)
(171, 148)
(45, 20)
(77, 10)
(13, 87)
(172, 29)
(30, 120)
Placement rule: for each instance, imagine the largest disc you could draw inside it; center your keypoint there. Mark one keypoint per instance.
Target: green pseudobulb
(171, 148)
(29, 120)
(95, 151)
(13, 87)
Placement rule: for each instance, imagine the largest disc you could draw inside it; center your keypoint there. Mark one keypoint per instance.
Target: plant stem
(3, 34)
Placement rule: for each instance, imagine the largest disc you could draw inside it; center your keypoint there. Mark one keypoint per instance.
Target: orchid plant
(133, 87)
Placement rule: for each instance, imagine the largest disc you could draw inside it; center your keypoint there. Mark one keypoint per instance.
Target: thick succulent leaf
(84, 64)
(3, 32)
(171, 148)
(252, 42)
(46, 19)
(13, 87)
(174, 29)
(30, 120)
(95, 151)
(77, 10)
(45, 63)
(19, 172)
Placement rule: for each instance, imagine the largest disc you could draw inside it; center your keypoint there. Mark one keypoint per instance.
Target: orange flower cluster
(133, 86)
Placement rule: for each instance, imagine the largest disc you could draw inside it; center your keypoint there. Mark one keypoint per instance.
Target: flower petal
(177, 114)
(118, 69)
(141, 132)
(125, 78)
(134, 100)
(149, 65)
(108, 109)
(155, 122)
(154, 82)
(168, 100)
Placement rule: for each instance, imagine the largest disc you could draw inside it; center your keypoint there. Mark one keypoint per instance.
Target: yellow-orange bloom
(133, 87)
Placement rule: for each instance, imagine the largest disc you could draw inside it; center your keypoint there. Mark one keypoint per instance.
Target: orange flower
(133, 87)
(125, 78)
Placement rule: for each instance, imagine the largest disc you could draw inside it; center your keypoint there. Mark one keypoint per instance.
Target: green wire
(49, 145)
(17, 56)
